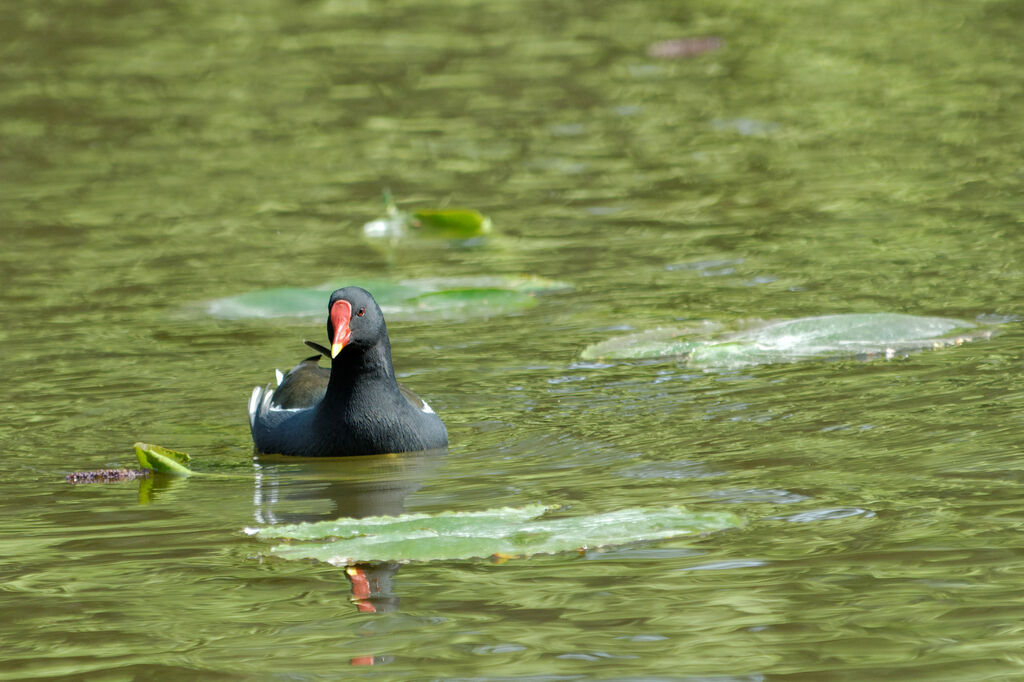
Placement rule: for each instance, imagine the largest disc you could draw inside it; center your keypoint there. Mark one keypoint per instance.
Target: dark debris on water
(107, 475)
(682, 48)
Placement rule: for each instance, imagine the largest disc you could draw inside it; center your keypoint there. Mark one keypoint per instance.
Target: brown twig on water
(107, 475)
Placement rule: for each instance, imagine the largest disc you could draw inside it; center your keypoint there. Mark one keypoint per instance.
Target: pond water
(798, 159)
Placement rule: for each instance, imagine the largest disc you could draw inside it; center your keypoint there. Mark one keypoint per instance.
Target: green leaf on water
(437, 223)
(504, 532)
(162, 460)
(851, 335)
(451, 223)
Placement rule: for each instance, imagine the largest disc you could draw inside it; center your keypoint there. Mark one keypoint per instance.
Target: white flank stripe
(254, 400)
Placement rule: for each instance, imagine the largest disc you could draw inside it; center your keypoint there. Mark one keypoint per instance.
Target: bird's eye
(362, 311)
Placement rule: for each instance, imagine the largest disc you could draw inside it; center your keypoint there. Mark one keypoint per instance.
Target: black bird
(354, 408)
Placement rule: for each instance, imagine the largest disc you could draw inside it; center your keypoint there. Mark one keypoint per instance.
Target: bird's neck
(356, 370)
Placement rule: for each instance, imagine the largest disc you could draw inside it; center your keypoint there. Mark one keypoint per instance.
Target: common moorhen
(354, 408)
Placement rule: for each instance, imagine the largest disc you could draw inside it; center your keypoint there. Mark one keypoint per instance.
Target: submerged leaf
(163, 460)
(527, 284)
(404, 299)
(860, 330)
(479, 302)
(269, 303)
(653, 343)
(494, 532)
(791, 340)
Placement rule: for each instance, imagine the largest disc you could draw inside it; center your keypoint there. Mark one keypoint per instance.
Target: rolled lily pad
(437, 223)
(450, 297)
(163, 460)
(503, 532)
(854, 335)
(452, 223)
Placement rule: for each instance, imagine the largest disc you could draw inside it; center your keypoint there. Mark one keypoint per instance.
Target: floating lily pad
(162, 460)
(466, 535)
(853, 335)
(460, 297)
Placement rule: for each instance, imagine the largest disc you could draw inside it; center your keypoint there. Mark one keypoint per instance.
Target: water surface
(824, 159)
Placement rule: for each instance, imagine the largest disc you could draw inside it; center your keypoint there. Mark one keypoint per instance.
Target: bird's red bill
(341, 313)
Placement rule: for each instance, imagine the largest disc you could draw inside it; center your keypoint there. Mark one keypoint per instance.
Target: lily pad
(163, 460)
(854, 335)
(502, 532)
(451, 297)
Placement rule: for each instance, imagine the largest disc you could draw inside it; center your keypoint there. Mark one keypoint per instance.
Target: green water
(829, 158)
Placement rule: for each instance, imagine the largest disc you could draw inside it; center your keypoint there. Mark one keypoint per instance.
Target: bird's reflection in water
(295, 490)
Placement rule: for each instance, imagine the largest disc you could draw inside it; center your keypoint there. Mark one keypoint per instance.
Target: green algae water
(769, 162)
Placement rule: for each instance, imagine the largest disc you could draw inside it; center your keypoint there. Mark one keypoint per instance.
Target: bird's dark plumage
(354, 408)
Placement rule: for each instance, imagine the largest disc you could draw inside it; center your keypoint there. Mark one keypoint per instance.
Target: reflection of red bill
(360, 589)
(361, 660)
